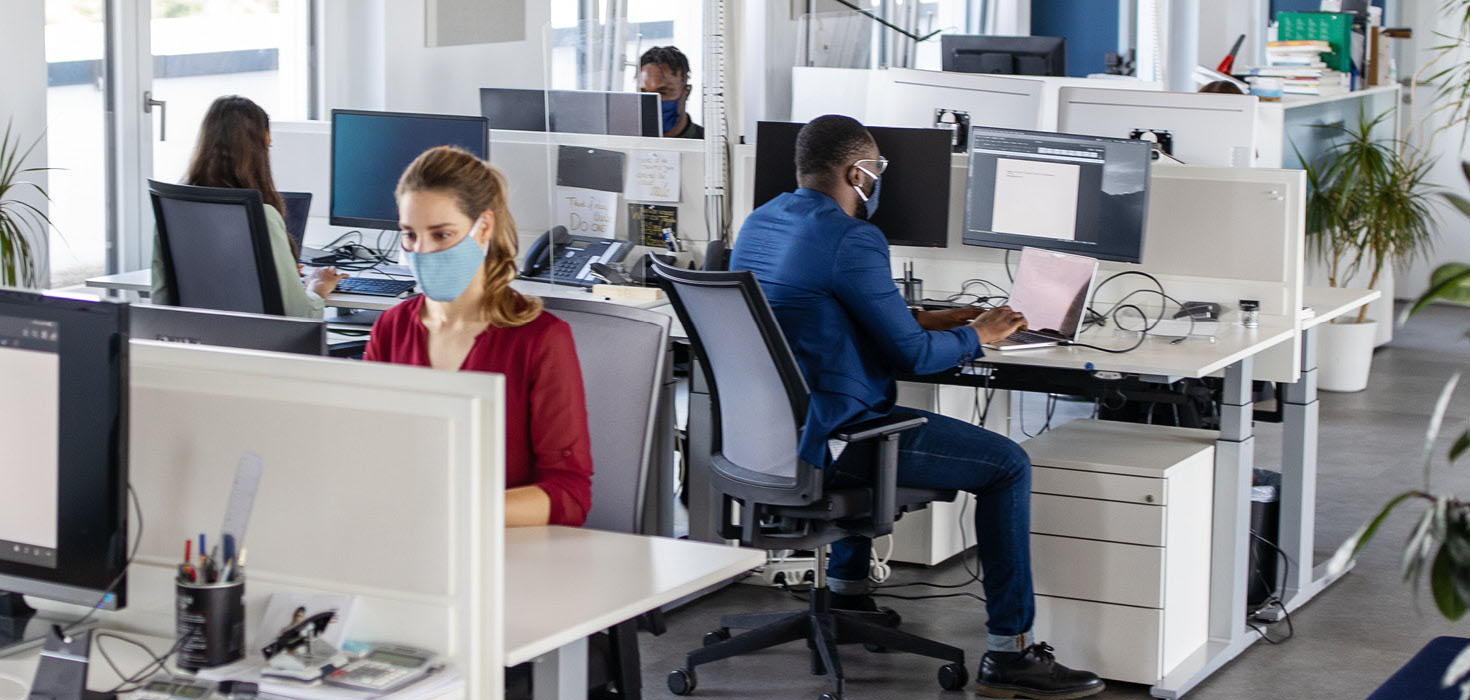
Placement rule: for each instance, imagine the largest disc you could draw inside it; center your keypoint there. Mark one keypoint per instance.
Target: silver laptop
(1051, 290)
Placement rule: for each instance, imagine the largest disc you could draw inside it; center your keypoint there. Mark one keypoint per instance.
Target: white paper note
(653, 176)
(587, 212)
(1035, 198)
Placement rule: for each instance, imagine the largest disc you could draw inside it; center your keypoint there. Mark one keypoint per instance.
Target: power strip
(787, 572)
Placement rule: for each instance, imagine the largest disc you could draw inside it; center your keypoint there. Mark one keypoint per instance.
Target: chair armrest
(885, 472)
(879, 427)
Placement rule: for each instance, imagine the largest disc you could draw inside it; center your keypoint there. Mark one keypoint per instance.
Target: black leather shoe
(1034, 674)
(865, 603)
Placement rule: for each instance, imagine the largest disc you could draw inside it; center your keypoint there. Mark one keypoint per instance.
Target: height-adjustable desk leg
(1230, 539)
(562, 674)
(1299, 482)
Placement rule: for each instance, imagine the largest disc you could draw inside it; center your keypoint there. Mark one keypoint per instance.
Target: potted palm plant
(19, 219)
(1368, 208)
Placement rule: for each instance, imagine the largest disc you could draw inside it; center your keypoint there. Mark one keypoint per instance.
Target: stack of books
(1299, 66)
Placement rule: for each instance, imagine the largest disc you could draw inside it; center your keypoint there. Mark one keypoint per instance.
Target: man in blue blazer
(826, 272)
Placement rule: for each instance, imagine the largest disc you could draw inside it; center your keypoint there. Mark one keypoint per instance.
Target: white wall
(1453, 243)
(376, 58)
(23, 94)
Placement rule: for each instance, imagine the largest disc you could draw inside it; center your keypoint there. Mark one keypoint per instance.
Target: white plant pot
(1345, 355)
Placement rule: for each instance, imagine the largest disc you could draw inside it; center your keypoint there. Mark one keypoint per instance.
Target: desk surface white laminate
(1195, 357)
(17, 671)
(142, 281)
(1328, 303)
(563, 584)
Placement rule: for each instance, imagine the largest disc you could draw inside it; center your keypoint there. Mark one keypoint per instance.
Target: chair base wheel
(953, 677)
(682, 681)
(716, 636)
(830, 696)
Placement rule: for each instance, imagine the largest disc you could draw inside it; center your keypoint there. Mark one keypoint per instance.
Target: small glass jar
(1250, 313)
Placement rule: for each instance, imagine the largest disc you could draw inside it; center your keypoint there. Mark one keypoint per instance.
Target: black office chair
(759, 407)
(216, 248)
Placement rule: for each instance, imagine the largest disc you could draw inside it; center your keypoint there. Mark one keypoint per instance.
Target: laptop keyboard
(1027, 337)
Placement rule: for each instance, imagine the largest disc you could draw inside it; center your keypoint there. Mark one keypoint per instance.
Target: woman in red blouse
(460, 241)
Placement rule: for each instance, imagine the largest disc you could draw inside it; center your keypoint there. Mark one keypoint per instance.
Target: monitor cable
(137, 543)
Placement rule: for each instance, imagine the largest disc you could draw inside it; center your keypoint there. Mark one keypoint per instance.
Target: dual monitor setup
(1086, 195)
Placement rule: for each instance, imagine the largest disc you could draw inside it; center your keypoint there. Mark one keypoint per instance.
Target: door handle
(148, 104)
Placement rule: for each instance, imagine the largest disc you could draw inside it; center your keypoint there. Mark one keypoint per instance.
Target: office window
(75, 140)
(650, 23)
(203, 49)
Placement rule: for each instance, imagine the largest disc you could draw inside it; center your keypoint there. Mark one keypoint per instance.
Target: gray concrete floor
(1347, 641)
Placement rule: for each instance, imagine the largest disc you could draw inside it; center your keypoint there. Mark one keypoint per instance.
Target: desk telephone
(560, 257)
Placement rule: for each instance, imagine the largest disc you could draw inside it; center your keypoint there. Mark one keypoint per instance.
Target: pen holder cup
(210, 619)
(913, 290)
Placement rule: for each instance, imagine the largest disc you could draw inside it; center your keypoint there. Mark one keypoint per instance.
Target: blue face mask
(445, 274)
(870, 201)
(671, 114)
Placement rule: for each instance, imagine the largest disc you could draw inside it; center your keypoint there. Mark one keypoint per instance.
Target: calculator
(385, 669)
(174, 689)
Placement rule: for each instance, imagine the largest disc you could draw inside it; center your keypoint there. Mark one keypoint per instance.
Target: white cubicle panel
(816, 91)
(301, 160)
(1052, 86)
(1206, 129)
(909, 97)
(380, 481)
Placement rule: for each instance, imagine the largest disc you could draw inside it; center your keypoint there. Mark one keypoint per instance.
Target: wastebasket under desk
(1120, 545)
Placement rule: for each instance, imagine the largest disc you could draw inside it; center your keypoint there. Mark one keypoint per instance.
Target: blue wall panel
(1090, 27)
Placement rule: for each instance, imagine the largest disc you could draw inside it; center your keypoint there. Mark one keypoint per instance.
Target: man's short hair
(829, 142)
(670, 57)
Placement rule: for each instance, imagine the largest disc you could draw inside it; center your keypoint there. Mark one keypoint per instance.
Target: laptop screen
(298, 208)
(1051, 289)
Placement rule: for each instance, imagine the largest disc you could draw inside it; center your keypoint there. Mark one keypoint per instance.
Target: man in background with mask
(826, 273)
(665, 70)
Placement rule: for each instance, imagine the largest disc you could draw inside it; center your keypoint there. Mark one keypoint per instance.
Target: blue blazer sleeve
(863, 279)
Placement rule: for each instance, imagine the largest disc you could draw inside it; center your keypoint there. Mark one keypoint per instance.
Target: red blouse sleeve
(559, 438)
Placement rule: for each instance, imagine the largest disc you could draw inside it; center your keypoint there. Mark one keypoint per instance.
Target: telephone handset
(560, 257)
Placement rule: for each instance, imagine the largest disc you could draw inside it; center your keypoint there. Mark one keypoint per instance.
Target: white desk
(141, 281)
(22, 667)
(564, 584)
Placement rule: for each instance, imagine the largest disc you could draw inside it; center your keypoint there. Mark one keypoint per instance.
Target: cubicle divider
(380, 481)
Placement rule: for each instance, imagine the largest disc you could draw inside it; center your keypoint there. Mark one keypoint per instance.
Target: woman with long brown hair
(459, 239)
(234, 151)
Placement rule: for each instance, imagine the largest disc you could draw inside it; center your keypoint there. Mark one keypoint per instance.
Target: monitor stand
(22, 627)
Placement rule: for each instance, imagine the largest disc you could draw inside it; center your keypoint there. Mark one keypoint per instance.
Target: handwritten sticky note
(653, 176)
(587, 212)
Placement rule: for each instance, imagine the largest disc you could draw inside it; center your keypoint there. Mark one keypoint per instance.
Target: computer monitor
(1076, 194)
(228, 329)
(573, 111)
(64, 472)
(1196, 128)
(298, 211)
(1007, 55)
(370, 150)
(914, 205)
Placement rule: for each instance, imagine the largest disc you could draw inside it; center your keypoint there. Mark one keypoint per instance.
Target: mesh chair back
(622, 353)
(760, 398)
(216, 248)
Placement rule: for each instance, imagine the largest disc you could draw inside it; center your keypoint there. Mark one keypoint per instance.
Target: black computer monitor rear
(64, 476)
(572, 111)
(1005, 55)
(229, 329)
(298, 211)
(914, 204)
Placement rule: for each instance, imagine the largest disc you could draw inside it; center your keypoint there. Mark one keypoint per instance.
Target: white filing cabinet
(1120, 545)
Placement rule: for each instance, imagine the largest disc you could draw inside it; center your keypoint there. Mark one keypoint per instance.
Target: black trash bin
(1265, 525)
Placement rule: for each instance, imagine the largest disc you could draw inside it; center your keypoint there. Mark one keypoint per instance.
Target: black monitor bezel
(383, 224)
(1055, 51)
(969, 239)
(889, 198)
(94, 403)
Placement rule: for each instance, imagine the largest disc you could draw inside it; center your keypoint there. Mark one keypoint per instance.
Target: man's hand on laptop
(994, 325)
(945, 319)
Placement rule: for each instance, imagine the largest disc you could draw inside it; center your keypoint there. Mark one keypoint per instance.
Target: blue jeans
(951, 454)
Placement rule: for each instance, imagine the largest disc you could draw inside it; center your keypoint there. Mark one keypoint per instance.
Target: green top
(296, 299)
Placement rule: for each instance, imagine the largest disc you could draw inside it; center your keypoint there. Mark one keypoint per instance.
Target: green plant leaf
(1442, 585)
(1461, 444)
(1450, 282)
(1457, 668)
(1349, 549)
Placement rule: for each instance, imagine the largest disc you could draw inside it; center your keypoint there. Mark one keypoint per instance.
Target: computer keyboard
(1030, 337)
(375, 286)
